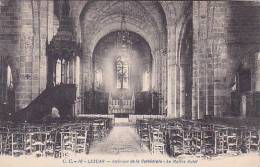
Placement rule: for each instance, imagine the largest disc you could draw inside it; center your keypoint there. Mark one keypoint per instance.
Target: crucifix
(122, 74)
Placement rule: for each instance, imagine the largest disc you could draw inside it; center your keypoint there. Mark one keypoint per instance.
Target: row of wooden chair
(55, 140)
(181, 136)
(152, 134)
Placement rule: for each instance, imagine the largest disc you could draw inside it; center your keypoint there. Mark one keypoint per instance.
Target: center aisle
(121, 139)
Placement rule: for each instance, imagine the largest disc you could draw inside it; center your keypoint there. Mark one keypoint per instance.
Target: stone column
(157, 83)
(87, 70)
(195, 66)
(172, 75)
(32, 51)
(182, 90)
(243, 106)
(26, 87)
(210, 90)
(155, 71)
(257, 73)
(1, 81)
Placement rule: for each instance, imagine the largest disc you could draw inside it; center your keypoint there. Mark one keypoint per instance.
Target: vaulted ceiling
(101, 17)
(95, 19)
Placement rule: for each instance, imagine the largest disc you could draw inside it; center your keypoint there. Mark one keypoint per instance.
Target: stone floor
(121, 139)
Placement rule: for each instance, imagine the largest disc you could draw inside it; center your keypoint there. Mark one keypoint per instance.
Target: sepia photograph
(129, 83)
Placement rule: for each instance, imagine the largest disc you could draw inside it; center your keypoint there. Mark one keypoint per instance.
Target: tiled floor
(121, 139)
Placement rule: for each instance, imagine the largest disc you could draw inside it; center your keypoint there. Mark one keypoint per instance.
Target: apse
(122, 61)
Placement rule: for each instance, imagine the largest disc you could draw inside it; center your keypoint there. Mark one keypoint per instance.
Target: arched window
(122, 73)
(77, 70)
(146, 81)
(9, 78)
(10, 93)
(258, 56)
(58, 72)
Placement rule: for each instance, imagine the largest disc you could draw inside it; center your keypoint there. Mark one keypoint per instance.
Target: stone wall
(225, 35)
(9, 44)
(26, 26)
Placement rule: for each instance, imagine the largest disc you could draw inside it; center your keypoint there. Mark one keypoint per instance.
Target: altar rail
(111, 116)
(95, 116)
(133, 118)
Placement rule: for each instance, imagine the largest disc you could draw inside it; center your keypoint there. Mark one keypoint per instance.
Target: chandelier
(123, 37)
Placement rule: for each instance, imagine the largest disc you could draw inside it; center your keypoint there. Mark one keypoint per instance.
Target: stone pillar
(157, 77)
(163, 56)
(221, 92)
(177, 88)
(195, 70)
(86, 70)
(24, 87)
(172, 75)
(210, 95)
(32, 51)
(243, 106)
(3, 79)
(200, 45)
(257, 73)
(155, 71)
(182, 90)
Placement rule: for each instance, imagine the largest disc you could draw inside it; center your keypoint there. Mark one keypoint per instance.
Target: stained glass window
(122, 71)
(146, 81)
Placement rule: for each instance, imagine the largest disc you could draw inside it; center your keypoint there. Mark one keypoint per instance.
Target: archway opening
(122, 77)
(117, 67)
(148, 20)
(8, 93)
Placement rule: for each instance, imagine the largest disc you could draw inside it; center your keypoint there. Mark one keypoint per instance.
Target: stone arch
(7, 94)
(148, 19)
(184, 52)
(158, 32)
(114, 27)
(106, 51)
